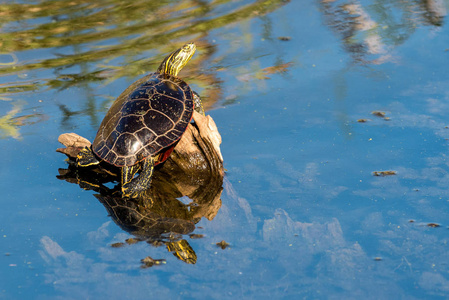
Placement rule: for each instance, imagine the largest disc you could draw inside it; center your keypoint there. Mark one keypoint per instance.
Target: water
(302, 212)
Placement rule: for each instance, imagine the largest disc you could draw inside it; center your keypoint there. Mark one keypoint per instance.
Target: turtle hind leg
(86, 158)
(134, 187)
(198, 103)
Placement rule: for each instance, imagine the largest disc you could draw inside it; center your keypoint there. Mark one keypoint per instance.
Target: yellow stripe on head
(174, 62)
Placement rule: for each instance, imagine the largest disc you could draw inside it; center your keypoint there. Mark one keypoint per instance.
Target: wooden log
(194, 169)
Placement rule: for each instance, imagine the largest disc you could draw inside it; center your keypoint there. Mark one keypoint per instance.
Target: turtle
(144, 124)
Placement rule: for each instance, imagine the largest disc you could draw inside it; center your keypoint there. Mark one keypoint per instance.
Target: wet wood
(199, 148)
(74, 143)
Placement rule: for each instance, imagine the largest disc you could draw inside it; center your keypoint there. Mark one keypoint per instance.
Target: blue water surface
(301, 209)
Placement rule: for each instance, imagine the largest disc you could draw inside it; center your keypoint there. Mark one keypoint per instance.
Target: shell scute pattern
(149, 116)
(137, 107)
(165, 123)
(146, 135)
(129, 123)
(172, 135)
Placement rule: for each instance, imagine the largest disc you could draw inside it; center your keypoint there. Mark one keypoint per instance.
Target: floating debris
(362, 120)
(432, 225)
(377, 258)
(131, 241)
(223, 245)
(378, 113)
(284, 38)
(281, 68)
(117, 245)
(196, 236)
(149, 262)
(384, 173)
(411, 221)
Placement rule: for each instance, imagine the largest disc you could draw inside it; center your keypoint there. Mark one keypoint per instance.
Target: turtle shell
(147, 118)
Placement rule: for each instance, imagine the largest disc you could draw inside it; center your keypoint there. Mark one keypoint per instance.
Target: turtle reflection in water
(145, 123)
(137, 218)
(158, 217)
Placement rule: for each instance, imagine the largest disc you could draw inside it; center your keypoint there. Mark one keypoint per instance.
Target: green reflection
(8, 128)
(108, 29)
(10, 123)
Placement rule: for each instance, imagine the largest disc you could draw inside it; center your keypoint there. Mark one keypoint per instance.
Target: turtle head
(174, 62)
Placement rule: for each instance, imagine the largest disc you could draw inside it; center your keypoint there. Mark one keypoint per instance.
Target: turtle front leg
(134, 187)
(128, 174)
